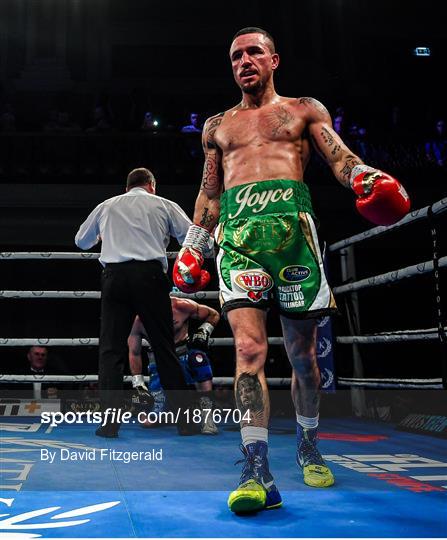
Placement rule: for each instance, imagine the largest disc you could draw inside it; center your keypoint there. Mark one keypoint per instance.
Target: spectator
(37, 365)
(37, 358)
(193, 144)
(149, 122)
(195, 125)
(436, 146)
(139, 102)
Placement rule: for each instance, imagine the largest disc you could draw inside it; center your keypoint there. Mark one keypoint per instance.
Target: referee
(135, 229)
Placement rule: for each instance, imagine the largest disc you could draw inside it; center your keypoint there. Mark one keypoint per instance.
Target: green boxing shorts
(268, 250)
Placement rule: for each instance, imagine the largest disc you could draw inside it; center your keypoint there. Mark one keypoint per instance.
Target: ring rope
(390, 277)
(416, 215)
(274, 381)
(383, 337)
(373, 281)
(397, 336)
(436, 208)
(435, 384)
(391, 380)
(277, 382)
(73, 342)
(94, 295)
(67, 255)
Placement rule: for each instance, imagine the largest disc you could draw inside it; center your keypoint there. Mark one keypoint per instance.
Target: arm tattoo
(313, 102)
(317, 148)
(211, 173)
(329, 140)
(349, 163)
(282, 118)
(214, 123)
(211, 169)
(250, 397)
(207, 218)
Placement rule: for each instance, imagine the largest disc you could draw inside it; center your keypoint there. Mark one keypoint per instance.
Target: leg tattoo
(250, 397)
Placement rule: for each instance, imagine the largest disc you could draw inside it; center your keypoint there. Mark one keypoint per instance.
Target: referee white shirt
(134, 226)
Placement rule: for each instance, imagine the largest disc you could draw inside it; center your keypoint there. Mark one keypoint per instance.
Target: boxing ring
(389, 482)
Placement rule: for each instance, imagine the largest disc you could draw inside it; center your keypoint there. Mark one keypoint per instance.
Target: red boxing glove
(187, 274)
(381, 198)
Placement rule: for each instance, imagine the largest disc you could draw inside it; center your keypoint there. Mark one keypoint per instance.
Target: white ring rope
(392, 380)
(435, 384)
(416, 215)
(382, 279)
(68, 255)
(383, 337)
(373, 281)
(76, 342)
(390, 277)
(279, 381)
(228, 381)
(391, 337)
(437, 208)
(94, 295)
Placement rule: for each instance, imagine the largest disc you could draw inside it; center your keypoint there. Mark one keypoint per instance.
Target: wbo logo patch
(255, 282)
(295, 273)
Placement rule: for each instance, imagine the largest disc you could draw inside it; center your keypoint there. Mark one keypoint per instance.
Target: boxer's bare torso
(181, 312)
(263, 143)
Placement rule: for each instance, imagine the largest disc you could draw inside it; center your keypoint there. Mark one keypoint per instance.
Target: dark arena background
(91, 89)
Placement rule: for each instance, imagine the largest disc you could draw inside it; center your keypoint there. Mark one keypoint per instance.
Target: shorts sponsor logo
(295, 273)
(259, 200)
(255, 282)
(290, 296)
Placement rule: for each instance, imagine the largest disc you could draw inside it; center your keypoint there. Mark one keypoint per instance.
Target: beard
(253, 89)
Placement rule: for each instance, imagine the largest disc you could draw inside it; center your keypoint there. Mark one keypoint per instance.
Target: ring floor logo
(26, 514)
(388, 468)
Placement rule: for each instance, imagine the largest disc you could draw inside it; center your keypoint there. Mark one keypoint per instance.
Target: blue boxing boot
(315, 471)
(256, 490)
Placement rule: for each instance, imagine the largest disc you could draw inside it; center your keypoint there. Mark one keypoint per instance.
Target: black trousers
(128, 289)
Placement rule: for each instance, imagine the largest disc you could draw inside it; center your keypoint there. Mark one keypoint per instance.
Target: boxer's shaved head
(256, 30)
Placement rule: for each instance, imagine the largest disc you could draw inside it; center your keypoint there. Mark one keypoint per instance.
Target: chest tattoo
(281, 117)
